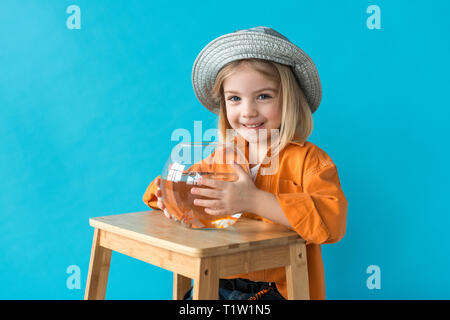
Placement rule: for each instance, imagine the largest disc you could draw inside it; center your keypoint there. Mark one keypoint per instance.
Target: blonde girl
(264, 88)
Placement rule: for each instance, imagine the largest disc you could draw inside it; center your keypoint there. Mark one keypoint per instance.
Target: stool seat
(204, 255)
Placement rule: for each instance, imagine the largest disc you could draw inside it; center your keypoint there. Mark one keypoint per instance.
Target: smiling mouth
(253, 126)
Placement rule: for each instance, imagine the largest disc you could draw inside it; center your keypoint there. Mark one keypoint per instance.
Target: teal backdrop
(86, 117)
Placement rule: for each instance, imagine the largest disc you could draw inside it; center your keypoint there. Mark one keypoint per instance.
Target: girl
(257, 81)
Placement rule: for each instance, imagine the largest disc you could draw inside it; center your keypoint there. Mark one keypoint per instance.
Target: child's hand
(227, 197)
(158, 195)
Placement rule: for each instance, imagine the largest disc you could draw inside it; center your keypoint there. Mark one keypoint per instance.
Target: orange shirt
(308, 191)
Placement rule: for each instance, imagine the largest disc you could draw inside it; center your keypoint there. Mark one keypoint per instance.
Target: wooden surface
(297, 279)
(181, 285)
(152, 227)
(97, 279)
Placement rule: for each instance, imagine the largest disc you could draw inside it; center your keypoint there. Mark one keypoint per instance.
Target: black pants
(243, 289)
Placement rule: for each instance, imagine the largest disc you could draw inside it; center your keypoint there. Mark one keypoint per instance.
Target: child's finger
(167, 214)
(158, 182)
(161, 205)
(215, 211)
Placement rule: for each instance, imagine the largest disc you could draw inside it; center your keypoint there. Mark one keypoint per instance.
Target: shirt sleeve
(319, 213)
(150, 198)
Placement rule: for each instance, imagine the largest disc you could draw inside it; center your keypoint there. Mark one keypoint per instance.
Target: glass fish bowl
(188, 163)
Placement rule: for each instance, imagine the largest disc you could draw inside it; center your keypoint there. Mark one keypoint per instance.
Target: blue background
(86, 118)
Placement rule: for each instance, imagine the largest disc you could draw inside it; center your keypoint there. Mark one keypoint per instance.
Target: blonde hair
(296, 118)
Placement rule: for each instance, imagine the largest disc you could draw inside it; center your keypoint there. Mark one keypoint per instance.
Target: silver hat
(261, 43)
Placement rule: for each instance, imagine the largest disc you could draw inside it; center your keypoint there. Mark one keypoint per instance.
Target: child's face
(251, 98)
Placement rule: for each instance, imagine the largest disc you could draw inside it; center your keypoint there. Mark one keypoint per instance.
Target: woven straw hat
(261, 43)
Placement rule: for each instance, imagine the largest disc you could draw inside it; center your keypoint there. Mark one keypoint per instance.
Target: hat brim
(246, 45)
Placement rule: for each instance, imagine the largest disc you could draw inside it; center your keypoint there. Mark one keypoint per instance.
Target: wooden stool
(203, 255)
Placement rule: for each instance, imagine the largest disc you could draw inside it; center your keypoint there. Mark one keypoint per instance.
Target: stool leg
(98, 270)
(297, 273)
(206, 281)
(181, 285)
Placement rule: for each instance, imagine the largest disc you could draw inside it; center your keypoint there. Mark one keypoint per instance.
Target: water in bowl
(179, 200)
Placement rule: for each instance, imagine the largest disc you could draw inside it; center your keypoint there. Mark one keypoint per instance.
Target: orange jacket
(308, 190)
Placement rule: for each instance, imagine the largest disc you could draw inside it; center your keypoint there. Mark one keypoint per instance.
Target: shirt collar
(301, 144)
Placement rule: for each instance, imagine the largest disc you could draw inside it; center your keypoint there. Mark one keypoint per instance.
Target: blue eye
(265, 96)
(233, 98)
